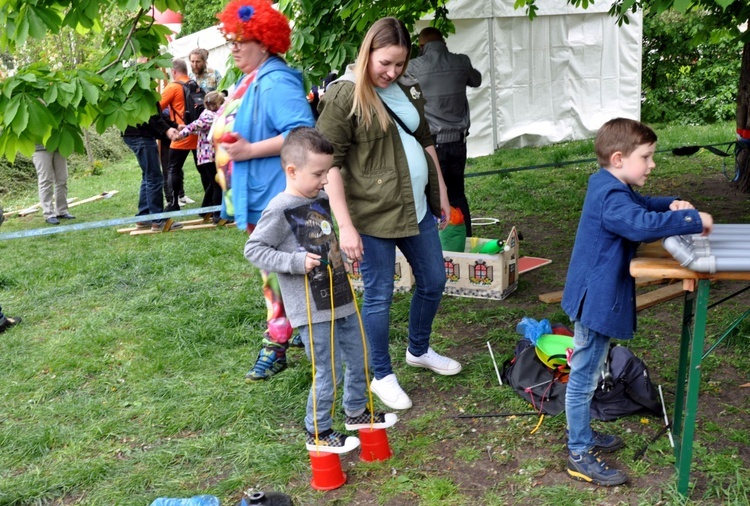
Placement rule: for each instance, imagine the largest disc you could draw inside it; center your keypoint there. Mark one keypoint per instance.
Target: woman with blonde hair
(386, 191)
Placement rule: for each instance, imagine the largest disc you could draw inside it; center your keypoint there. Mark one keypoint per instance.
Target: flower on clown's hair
(246, 12)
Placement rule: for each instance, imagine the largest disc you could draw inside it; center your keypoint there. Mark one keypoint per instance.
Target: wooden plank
(652, 250)
(659, 295)
(554, 297)
(103, 195)
(186, 223)
(670, 269)
(32, 209)
(199, 226)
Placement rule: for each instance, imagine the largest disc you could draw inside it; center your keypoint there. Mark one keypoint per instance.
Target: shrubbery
(105, 149)
(683, 82)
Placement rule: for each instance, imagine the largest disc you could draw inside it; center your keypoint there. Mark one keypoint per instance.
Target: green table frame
(650, 263)
(694, 318)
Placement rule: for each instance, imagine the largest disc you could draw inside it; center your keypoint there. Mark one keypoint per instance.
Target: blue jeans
(150, 198)
(590, 350)
(349, 350)
(425, 256)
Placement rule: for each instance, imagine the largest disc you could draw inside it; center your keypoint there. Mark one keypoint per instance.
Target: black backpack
(194, 97)
(625, 390)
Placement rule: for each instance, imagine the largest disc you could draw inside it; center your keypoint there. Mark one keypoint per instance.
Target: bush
(684, 82)
(20, 176)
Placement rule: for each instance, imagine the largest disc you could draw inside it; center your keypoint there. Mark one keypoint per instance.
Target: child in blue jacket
(599, 295)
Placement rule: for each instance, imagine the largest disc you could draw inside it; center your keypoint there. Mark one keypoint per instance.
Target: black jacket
(156, 127)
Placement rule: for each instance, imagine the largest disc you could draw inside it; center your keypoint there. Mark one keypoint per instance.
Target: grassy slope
(124, 382)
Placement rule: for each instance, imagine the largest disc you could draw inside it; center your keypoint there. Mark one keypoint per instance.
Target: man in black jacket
(141, 139)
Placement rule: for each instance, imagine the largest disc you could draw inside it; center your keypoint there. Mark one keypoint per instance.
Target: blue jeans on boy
(425, 256)
(150, 198)
(590, 350)
(349, 350)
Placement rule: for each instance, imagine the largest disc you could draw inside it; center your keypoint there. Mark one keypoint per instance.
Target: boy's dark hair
(623, 135)
(302, 141)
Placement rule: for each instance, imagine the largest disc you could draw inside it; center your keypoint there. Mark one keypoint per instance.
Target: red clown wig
(246, 20)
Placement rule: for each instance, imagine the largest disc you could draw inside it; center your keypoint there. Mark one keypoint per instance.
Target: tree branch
(125, 43)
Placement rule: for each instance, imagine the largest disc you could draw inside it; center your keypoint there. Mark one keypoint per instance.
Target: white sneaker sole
(443, 372)
(352, 443)
(390, 420)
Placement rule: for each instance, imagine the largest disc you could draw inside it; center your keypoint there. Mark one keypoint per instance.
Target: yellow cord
(370, 403)
(333, 354)
(312, 360)
(541, 419)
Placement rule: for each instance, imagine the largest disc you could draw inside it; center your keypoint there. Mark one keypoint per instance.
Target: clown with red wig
(268, 102)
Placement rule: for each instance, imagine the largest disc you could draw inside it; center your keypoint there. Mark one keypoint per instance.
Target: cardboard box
(475, 275)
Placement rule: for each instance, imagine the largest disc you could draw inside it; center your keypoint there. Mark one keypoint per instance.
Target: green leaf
(21, 118)
(90, 92)
(11, 110)
(37, 28)
(50, 95)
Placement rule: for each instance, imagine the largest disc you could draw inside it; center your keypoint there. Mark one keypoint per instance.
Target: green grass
(125, 380)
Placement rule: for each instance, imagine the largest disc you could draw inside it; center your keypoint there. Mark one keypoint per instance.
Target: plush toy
(453, 236)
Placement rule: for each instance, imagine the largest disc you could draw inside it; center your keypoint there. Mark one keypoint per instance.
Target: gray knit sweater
(290, 227)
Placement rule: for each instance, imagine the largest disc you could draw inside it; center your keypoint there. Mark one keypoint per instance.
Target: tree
(50, 105)
(327, 33)
(731, 16)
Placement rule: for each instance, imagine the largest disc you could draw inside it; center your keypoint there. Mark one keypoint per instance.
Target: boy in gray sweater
(295, 238)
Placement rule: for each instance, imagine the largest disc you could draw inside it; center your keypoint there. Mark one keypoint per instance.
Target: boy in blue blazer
(599, 295)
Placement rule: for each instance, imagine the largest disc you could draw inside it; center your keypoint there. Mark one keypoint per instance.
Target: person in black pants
(6, 322)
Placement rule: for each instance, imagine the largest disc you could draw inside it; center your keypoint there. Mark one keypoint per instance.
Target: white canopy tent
(557, 78)
(210, 39)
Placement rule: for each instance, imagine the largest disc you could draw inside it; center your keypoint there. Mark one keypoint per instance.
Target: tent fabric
(556, 78)
(210, 39)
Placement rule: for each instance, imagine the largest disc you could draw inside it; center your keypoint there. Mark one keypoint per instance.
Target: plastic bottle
(490, 247)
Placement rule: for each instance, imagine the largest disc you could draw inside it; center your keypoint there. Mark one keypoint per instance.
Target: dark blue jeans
(425, 256)
(452, 158)
(150, 198)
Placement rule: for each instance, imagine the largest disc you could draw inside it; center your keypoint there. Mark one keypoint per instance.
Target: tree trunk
(87, 145)
(742, 156)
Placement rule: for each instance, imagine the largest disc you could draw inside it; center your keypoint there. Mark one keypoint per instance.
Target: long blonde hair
(384, 32)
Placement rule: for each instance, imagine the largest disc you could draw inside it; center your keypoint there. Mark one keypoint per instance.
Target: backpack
(194, 97)
(543, 387)
(625, 389)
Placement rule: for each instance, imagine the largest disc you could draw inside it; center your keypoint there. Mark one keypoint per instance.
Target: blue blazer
(599, 290)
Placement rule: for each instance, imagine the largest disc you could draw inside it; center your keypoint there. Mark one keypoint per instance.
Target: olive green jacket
(373, 163)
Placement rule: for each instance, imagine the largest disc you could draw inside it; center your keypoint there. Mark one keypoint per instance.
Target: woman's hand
(351, 243)
(240, 149)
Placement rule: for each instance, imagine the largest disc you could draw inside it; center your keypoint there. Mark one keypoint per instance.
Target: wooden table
(653, 262)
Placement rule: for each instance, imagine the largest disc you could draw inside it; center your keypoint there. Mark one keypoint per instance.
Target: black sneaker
(366, 420)
(8, 323)
(604, 443)
(331, 441)
(590, 468)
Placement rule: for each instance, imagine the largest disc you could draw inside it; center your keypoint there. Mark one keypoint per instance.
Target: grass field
(124, 382)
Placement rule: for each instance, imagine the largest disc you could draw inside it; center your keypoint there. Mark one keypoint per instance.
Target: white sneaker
(437, 363)
(186, 200)
(390, 393)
